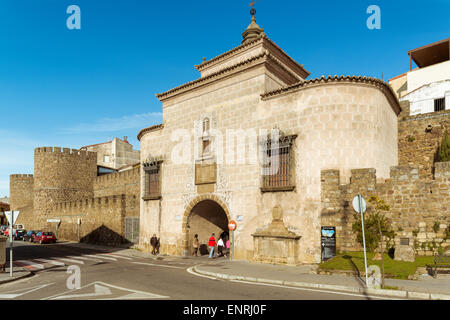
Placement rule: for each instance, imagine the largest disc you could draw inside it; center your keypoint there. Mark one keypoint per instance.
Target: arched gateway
(204, 215)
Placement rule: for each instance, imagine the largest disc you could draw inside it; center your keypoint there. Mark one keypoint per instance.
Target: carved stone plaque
(205, 173)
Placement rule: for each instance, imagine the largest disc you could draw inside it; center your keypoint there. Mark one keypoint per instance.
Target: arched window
(206, 141)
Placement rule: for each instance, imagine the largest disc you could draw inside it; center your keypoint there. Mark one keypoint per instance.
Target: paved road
(116, 275)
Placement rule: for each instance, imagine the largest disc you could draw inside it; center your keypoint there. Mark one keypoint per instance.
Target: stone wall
(125, 182)
(102, 219)
(62, 175)
(21, 190)
(419, 139)
(419, 208)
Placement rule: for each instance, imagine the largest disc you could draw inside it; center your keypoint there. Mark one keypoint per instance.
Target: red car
(44, 237)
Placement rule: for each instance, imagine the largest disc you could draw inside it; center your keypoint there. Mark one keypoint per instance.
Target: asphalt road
(114, 275)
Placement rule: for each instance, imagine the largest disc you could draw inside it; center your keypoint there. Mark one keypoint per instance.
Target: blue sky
(70, 88)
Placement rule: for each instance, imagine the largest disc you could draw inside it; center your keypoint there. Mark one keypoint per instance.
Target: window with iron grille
(439, 104)
(152, 189)
(278, 174)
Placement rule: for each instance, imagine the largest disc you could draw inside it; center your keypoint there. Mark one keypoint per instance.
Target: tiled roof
(149, 129)
(382, 85)
(218, 73)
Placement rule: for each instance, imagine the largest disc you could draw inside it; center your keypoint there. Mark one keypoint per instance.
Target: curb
(28, 274)
(393, 293)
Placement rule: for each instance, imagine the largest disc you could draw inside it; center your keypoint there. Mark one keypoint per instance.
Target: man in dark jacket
(153, 242)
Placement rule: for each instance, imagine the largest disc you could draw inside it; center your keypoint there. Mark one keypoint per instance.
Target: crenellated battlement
(126, 182)
(416, 202)
(91, 203)
(66, 151)
(118, 177)
(21, 176)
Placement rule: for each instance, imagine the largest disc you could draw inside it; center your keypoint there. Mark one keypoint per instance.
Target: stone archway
(204, 215)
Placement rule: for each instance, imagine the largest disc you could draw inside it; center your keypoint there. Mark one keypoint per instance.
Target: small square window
(439, 104)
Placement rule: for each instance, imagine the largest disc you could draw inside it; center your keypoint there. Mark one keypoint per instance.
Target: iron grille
(279, 173)
(439, 104)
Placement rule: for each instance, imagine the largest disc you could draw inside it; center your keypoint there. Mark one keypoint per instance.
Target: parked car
(29, 236)
(18, 234)
(45, 237)
(2, 229)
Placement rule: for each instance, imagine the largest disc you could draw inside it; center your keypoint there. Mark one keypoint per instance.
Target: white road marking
(12, 295)
(70, 260)
(158, 265)
(30, 263)
(99, 257)
(54, 262)
(117, 256)
(191, 271)
(103, 289)
(315, 290)
(84, 258)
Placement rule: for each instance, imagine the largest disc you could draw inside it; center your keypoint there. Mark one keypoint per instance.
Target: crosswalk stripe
(29, 263)
(117, 256)
(99, 256)
(84, 258)
(71, 260)
(54, 262)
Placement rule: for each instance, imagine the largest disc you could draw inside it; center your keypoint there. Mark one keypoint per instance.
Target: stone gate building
(196, 174)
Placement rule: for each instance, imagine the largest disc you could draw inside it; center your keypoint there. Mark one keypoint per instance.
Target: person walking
(228, 248)
(220, 246)
(157, 245)
(195, 244)
(153, 242)
(211, 245)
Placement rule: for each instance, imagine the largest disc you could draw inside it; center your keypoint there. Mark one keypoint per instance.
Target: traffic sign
(232, 225)
(11, 217)
(356, 205)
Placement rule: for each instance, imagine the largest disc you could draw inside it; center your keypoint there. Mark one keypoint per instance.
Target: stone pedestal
(276, 244)
(405, 253)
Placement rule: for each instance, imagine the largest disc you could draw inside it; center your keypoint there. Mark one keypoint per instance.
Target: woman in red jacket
(211, 245)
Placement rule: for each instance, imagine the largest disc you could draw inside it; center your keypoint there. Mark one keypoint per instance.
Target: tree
(376, 226)
(444, 150)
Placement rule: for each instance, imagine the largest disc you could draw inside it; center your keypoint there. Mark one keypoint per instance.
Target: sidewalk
(304, 276)
(18, 273)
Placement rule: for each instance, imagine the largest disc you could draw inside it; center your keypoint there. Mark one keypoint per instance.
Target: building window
(439, 104)
(106, 160)
(206, 139)
(278, 173)
(152, 190)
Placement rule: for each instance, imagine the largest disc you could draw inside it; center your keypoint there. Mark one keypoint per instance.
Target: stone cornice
(149, 129)
(264, 57)
(262, 39)
(380, 84)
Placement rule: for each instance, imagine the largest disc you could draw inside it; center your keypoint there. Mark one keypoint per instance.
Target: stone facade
(345, 123)
(115, 153)
(419, 139)
(21, 189)
(419, 208)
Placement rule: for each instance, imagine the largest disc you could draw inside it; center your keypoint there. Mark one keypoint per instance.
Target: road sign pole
(11, 239)
(364, 237)
(232, 245)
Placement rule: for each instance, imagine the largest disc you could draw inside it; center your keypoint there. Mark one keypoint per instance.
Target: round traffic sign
(232, 225)
(356, 202)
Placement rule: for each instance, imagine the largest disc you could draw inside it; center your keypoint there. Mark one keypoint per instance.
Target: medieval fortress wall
(419, 207)
(65, 186)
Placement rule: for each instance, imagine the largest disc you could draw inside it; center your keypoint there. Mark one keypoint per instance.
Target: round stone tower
(62, 175)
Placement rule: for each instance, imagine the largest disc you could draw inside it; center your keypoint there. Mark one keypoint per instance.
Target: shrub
(444, 150)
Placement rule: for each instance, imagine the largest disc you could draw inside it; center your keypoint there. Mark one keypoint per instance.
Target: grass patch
(354, 261)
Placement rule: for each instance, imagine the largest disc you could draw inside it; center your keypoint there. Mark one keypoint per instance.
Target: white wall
(422, 99)
(427, 75)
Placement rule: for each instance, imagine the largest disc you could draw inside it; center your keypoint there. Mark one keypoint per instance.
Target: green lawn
(392, 268)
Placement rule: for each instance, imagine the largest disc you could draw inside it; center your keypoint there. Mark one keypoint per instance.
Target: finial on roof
(253, 31)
